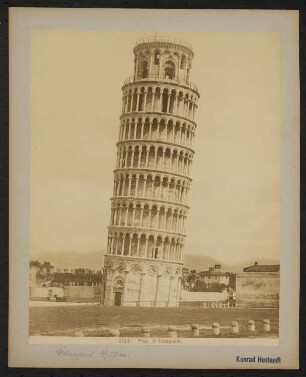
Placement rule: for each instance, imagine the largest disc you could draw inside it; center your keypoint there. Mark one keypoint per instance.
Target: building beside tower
(143, 263)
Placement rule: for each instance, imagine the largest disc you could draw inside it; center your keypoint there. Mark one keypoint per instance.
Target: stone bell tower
(143, 263)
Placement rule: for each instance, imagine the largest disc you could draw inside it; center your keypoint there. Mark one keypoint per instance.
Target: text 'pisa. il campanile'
(143, 263)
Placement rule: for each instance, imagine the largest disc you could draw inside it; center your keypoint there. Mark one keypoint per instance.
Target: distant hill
(201, 263)
(69, 259)
(94, 260)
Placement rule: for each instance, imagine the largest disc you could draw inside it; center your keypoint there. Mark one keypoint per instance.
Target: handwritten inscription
(104, 354)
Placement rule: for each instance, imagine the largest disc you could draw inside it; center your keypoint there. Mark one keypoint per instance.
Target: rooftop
(34, 263)
(262, 268)
(214, 273)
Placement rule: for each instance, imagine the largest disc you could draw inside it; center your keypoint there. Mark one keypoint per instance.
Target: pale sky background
(76, 95)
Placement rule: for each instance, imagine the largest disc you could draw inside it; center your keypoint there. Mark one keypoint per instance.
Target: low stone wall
(46, 292)
(82, 293)
(203, 296)
(257, 288)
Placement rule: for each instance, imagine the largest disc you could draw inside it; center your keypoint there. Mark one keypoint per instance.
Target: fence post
(172, 331)
(235, 327)
(195, 330)
(216, 328)
(251, 326)
(114, 332)
(145, 332)
(266, 325)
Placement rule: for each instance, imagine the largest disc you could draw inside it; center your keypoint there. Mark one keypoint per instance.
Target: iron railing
(228, 304)
(174, 80)
(152, 304)
(207, 304)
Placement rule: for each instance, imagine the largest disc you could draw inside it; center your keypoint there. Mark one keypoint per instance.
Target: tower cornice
(148, 231)
(165, 42)
(154, 114)
(175, 82)
(141, 259)
(143, 200)
(150, 171)
(154, 142)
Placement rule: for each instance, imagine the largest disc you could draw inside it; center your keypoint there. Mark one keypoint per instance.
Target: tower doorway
(118, 292)
(118, 296)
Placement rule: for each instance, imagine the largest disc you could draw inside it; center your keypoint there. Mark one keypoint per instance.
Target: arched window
(183, 62)
(165, 99)
(144, 69)
(152, 271)
(169, 70)
(156, 57)
(119, 284)
(187, 76)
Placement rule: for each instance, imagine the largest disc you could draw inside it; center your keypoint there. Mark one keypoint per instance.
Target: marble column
(157, 294)
(170, 289)
(140, 297)
(126, 282)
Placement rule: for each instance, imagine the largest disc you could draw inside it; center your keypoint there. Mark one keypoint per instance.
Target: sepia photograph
(155, 188)
(154, 174)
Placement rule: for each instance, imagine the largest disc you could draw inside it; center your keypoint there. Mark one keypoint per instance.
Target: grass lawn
(98, 320)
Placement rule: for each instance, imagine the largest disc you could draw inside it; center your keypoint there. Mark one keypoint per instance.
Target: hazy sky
(76, 98)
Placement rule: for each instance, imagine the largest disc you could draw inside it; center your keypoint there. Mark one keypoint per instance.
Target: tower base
(141, 282)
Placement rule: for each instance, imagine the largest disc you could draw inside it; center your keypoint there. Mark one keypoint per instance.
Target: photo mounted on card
(154, 188)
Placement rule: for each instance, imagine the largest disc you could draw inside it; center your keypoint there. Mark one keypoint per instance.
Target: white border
(22, 22)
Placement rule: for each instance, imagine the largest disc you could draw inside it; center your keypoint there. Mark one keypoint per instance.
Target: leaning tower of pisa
(143, 263)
